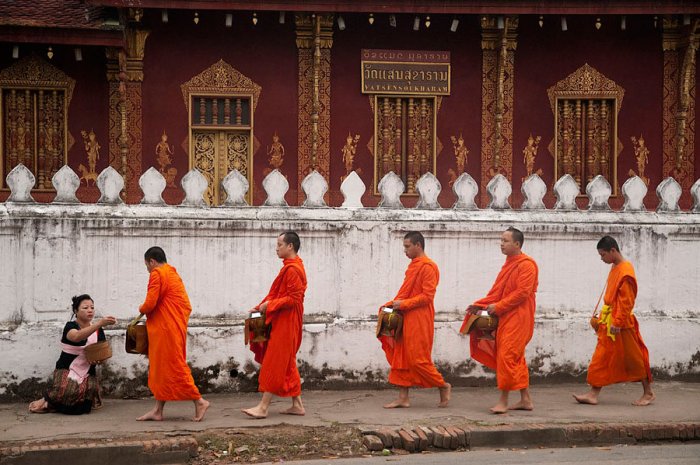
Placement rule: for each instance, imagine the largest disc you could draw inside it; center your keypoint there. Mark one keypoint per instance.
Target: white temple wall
(355, 262)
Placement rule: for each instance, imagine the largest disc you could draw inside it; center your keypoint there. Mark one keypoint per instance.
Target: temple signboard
(405, 72)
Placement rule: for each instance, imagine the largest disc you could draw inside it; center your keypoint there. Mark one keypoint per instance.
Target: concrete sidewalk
(676, 404)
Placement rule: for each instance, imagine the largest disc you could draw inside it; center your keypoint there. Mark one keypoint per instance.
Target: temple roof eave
(540, 7)
(63, 36)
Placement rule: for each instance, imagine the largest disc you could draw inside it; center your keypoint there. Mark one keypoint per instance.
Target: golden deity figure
(641, 153)
(276, 152)
(164, 152)
(530, 154)
(349, 151)
(461, 153)
(164, 157)
(92, 148)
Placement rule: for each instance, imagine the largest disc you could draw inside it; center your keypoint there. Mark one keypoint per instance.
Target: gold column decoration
(125, 76)
(585, 106)
(680, 44)
(498, 58)
(314, 39)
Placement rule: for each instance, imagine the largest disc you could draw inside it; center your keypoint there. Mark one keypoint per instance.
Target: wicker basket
(98, 352)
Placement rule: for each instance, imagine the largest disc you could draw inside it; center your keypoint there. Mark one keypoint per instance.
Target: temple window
(34, 100)
(585, 106)
(404, 138)
(221, 105)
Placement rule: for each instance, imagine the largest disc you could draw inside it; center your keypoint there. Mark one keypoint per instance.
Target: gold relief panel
(222, 79)
(34, 101)
(586, 105)
(405, 140)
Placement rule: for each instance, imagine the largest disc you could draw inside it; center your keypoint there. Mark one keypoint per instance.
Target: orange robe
(626, 358)
(285, 312)
(411, 356)
(168, 309)
(513, 293)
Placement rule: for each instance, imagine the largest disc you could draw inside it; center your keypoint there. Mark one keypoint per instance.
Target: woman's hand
(106, 321)
(263, 307)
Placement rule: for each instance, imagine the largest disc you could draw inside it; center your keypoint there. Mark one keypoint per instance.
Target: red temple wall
(351, 111)
(632, 58)
(88, 108)
(179, 50)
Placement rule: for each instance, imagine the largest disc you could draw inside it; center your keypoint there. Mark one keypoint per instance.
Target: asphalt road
(673, 454)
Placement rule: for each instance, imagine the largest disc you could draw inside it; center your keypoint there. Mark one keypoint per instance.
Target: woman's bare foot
(255, 412)
(153, 415)
(445, 395)
(588, 398)
(646, 399)
(294, 410)
(398, 403)
(200, 408)
(39, 406)
(522, 405)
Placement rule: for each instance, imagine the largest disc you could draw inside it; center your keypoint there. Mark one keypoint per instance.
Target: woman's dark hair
(78, 299)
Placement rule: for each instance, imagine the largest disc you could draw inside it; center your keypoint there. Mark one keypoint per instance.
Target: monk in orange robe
(168, 309)
(283, 308)
(512, 300)
(410, 354)
(620, 355)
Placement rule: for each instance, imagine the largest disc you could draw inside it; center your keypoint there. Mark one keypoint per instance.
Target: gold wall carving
(92, 151)
(314, 39)
(34, 99)
(530, 156)
(164, 158)
(217, 149)
(641, 154)
(275, 153)
(680, 44)
(405, 137)
(349, 152)
(220, 79)
(498, 57)
(586, 105)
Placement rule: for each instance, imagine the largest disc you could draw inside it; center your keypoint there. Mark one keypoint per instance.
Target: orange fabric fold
(279, 374)
(513, 293)
(625, 359)
(410, 357)
(168, 309)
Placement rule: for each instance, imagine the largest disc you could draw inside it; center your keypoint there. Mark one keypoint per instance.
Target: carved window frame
(375, 104)
(35, 75)
(223, 81)
(587, 83)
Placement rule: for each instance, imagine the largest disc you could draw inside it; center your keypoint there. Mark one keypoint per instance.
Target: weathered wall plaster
(354, 262)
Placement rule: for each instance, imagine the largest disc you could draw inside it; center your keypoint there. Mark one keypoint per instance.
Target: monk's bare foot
(294, 411)
(200, 408)
(588, 399)
(39, 406)
(499, 408)
(445, 395)
(645, 400)
(153, 415)
(522, 405)
(255, 412)
(398, 404)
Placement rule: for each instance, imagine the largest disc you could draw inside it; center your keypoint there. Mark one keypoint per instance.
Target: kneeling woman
(73, 387)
